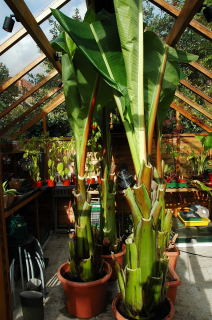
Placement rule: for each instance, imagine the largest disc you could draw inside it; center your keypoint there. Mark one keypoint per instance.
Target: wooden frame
(50, 76)
(25, 16)
(23, 32)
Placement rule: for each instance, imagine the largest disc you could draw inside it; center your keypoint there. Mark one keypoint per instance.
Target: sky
(26, 50)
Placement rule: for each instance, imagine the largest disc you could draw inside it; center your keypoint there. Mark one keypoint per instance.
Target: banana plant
(143, 73)
(84, 90)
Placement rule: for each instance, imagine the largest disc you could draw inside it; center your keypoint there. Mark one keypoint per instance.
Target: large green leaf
(130, 26)
(79, 79)
(100, 43)
(91, 38)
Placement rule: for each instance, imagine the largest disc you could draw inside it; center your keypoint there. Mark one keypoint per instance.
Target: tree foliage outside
(159, 22)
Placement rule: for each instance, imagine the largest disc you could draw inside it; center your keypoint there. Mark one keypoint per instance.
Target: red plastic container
(85, 299)
(66, 182)
(50, 183)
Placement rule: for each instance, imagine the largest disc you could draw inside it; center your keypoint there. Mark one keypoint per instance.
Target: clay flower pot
(66, 182)
(119, 258)
(118, 316)
(172, 254)
(85, 299)
(38, 184)
(50, 183)
(90, 180)
(172, 284)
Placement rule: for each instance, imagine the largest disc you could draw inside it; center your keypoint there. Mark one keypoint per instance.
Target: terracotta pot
(119, 258)
(172, 285)
(85, 299)
(90, 180)
(99, 180)
(172, 254)
(119, 316)
(66, 182)
(38, 184)
(50, 183)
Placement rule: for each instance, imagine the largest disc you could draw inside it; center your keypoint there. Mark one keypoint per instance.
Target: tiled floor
(194, 296)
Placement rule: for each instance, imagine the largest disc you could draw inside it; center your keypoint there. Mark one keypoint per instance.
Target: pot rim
(118, 254)
(94, 283)
(118, 297)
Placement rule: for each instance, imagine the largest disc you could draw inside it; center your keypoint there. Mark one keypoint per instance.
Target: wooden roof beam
(200, 68)
(195, 90)
(54, 103)
(187, 13)
(193, 104)
(29, 110)
(23, 32)
(191, 117)
(51, 75)
(196, 26)
(25, 16)
(22, 73)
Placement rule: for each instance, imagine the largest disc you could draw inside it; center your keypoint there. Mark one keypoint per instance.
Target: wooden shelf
(22, 203)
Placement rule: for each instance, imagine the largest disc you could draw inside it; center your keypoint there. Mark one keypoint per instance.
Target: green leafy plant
(199, 162)
(33, 149)
(7, 191)
(143, 74)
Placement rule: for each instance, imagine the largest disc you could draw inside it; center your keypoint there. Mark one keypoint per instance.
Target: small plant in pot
(32, 153)
(143, 74)
(8, 195)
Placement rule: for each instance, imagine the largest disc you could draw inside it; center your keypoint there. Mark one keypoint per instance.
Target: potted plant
(8, 195)
(129, 69)
(84, 277)
(32, 153)
(199, 162)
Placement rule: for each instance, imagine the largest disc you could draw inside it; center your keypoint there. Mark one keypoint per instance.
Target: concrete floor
(194, 296)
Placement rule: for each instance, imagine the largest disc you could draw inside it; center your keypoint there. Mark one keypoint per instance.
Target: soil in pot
(164, 311)
(85, 299)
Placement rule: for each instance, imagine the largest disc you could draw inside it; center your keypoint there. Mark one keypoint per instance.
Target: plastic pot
(85, 299)
(118, 316)
(66, 182)
(32, 305)
(172, 254)
(119, 258)
(50, 183)
(38, 184)
(172, 285)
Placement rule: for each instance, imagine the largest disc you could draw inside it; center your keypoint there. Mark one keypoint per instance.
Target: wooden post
(5, 294)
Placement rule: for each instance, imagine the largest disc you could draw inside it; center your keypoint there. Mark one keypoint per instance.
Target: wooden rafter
(187, 13)
(29, 110)
(196, 26)
(23, 32)
(193, 104)
(191, 117)
(197, 91)
(22, 73)
(25, 16)
(200, 68)
(51, 75)
(54, 103)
